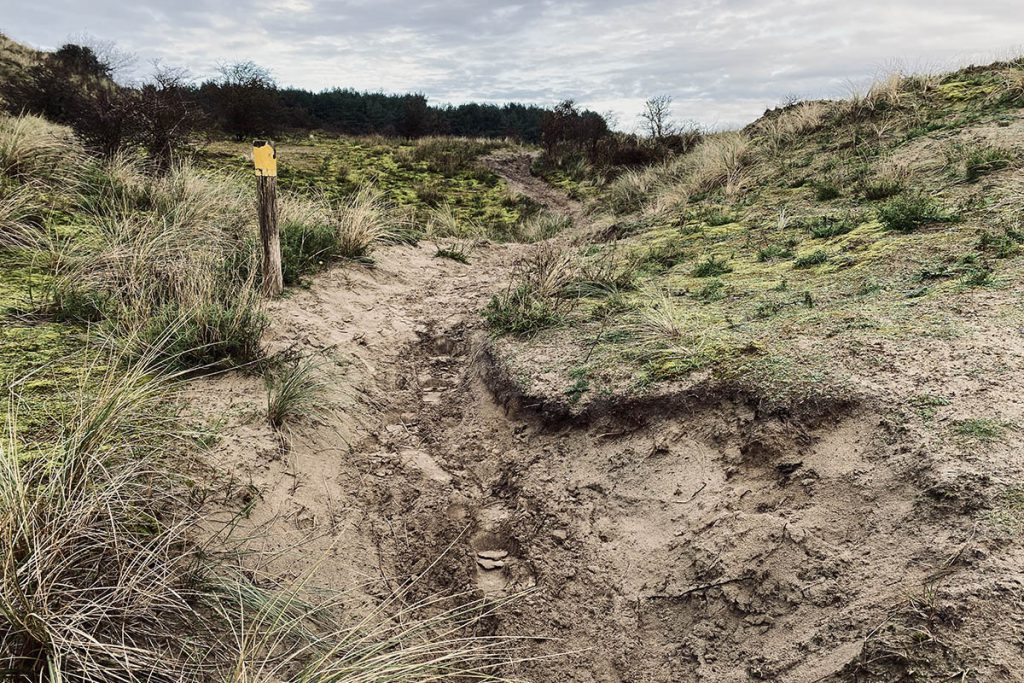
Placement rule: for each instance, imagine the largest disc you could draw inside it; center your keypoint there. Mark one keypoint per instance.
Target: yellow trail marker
(264, 157)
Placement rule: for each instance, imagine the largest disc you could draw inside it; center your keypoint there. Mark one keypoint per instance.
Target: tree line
(75, 86)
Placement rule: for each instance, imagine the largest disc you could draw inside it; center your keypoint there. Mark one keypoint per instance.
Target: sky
(722, 61)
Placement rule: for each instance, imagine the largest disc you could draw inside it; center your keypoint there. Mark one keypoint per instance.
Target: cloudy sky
(724, 61)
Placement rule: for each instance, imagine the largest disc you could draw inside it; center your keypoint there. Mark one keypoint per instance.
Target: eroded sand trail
(709, 545)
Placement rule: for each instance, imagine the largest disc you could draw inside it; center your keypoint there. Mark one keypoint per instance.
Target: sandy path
(710, 545)
(311, 492)
(515, 169)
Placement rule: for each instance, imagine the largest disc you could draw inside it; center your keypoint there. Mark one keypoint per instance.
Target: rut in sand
(704, 543)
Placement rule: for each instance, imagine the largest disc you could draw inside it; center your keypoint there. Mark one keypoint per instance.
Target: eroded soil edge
(693, 539)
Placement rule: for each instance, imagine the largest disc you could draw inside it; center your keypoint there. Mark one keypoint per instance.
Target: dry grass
(137, 252)
(172, 251)
(793, 122)
(445, 222)
(888, 91)
(631, 191)
(548, 270)
(31, 147)
(1013, 86)
(18, 208)
(889, 177)
(96, 572)
(365, 220)
(541, 226)
(435, 639)
(295, 389)
(717, 162)
(672, 340)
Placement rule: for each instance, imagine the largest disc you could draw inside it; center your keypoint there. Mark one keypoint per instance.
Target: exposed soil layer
(689, 538)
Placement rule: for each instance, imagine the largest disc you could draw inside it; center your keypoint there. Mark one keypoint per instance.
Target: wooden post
(264, 158)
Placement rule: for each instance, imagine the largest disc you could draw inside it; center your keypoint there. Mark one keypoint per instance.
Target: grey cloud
(723, 60)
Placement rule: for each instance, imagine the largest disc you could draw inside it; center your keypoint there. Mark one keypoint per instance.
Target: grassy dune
(765, 253)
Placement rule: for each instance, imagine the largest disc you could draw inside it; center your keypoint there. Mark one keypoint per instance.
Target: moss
(41, 363)
(965, 91)
(23, 286)
(415, 176)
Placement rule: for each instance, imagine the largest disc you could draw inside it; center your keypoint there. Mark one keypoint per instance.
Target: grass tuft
(295, 388)
(809, 260)
(535, 298)
(907, 213)
(711, 267)
(97, 574)
(455, 251)
(982, 430)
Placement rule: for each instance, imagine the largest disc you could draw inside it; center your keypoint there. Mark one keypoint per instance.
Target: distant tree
(245, 100)
(76, 85)
(52, 87)
(417, 119)
(81, 60)
(115, 60)
(73, 86)
(657, 117)
(567, 126)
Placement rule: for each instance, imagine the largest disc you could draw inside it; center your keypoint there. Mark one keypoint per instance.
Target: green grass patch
(712, 266)
(824, 227)
(454, 252)
(521, 311)
(907, 213)
(980, 430)
(811, 259)
(825, 190)
(927, 405)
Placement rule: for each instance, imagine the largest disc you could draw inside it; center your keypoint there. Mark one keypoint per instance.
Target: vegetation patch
(927, 405)
(972, 161)
(825, 227)
(983, 430)
(417, 177)
(910, 212)
(296, 388)
(712, 266)
(811, 259)
(455, 252)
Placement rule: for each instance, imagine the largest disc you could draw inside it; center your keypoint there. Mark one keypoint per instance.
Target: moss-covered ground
(44, 350)
(421, 175)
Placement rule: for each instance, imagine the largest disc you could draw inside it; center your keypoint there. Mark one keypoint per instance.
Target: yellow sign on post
(264, 157)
